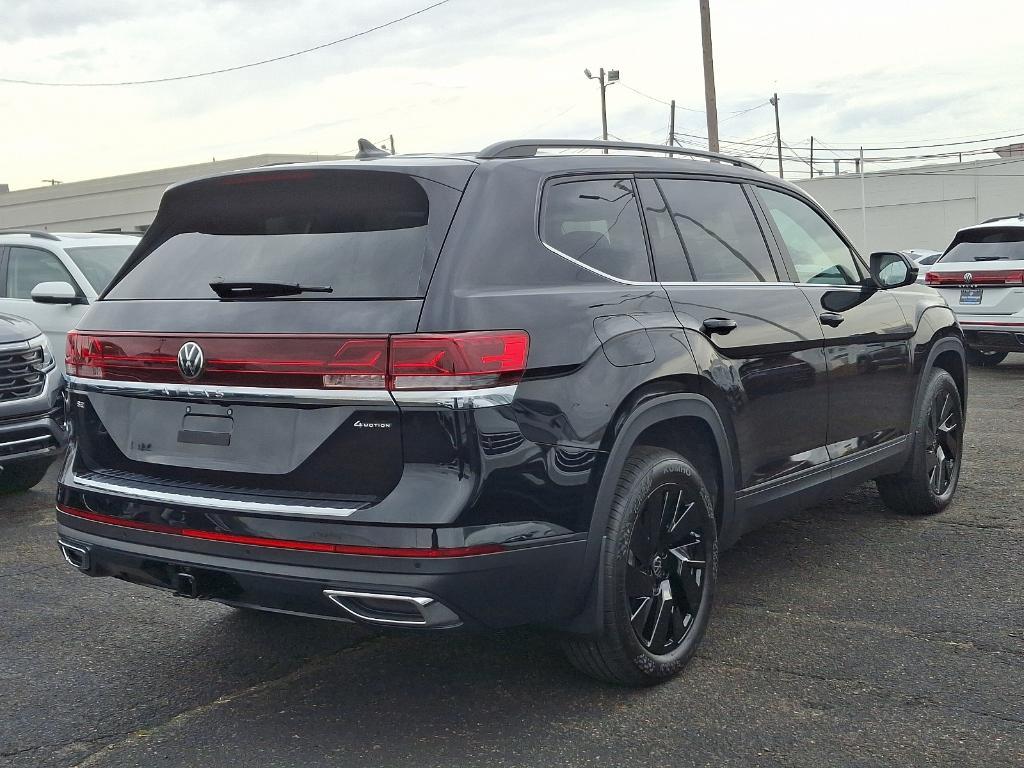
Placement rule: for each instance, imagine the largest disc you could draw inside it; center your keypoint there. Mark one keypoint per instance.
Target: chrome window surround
(455, 399)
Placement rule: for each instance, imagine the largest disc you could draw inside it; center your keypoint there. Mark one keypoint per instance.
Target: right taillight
(457, 360)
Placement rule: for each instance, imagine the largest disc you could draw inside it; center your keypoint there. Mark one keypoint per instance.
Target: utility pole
(612, 78)
(52, 182)
(672, 124)
(778, 134)
(710, 100)
(391, 137)
(863, 205)
(812, 157)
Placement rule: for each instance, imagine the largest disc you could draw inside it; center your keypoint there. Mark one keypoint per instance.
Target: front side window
(720, 235)
(28, 267)
(819, 255)
(597, 223)
(99, 263)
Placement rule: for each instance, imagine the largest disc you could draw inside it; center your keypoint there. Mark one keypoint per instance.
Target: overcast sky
(473, 71)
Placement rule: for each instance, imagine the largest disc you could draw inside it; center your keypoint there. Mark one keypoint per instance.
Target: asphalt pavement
(844, 636)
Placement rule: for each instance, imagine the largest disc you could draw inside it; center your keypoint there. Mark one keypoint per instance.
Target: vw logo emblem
(190, 360)
(968, 277)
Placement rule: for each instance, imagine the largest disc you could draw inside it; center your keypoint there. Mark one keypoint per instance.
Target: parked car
(981, 276)
(32, 431)
(923, 258)
(51, 278)
(495, 389)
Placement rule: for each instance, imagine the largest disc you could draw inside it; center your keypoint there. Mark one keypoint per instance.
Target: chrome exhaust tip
(393, 610)
(76, 556)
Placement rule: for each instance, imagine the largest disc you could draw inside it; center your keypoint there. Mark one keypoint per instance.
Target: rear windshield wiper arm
(989, 258)
(248, 289)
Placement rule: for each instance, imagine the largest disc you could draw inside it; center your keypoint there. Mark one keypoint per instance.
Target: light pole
(603, 82)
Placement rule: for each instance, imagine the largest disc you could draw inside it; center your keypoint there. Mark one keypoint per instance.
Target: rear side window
(28, 267)
(365, 234)
(987, 245)
(597, 222)
(720, 236)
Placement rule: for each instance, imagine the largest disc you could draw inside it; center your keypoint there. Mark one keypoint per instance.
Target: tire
(23, 475)
(928, 482)
(984, 359)
(650, 631)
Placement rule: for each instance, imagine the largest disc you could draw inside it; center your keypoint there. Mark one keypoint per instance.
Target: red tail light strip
(305, 546)
(979, 278)
(471, 360)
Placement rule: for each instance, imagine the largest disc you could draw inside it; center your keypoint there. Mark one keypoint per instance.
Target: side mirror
(56, 293)
(892, 270)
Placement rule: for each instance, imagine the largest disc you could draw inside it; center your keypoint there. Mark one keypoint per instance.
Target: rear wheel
(23, 475)
(985, 359)
(659, 571)
(928, 482)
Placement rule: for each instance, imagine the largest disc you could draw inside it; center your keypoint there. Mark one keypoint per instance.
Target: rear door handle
(833, 319)
(722, 325)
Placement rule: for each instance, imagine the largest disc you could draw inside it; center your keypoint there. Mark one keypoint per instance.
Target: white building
(125, 203)
(920, 207)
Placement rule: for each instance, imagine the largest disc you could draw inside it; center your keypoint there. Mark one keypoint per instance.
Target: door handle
(833, 319)
(722, 325)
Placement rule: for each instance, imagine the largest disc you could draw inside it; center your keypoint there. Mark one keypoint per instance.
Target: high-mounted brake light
(412, 361)
(979, 278)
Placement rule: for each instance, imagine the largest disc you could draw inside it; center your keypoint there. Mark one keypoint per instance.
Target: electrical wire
(236, 68)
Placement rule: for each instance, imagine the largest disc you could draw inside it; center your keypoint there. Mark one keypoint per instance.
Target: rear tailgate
(982, 272)
(279, 398)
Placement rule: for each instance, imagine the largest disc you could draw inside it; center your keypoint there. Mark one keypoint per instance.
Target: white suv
(981, 276)
(52, 277)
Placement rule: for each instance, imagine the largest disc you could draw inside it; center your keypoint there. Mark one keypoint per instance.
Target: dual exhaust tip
(366, 607)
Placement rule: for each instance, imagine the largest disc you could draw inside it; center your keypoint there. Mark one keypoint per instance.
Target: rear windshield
(99, 263)
(987, 245)
(364, 234)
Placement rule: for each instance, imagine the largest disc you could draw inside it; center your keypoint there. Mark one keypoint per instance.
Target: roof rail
(1004, 218)
(31, 233)
(529, 147)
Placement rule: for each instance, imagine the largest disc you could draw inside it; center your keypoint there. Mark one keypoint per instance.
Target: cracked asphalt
(845, 636)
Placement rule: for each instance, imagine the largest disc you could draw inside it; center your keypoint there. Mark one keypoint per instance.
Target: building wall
(126, 203)
(921, 207)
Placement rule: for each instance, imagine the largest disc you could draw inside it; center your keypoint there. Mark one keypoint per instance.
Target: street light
(604, 82)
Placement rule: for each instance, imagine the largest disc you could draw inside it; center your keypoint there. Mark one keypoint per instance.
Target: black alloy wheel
(943, 442)
(665, 568)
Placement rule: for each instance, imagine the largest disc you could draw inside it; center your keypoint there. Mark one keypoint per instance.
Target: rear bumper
(997, 334)
(530, 585)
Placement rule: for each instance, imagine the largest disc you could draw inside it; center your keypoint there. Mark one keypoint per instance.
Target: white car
(924, 258)
(51, 278)
(981, 276)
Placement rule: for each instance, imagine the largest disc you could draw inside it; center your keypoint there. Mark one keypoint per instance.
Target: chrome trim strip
(653, 283)
(457, 399)
(234, 394)
(80, 551)
(203, 501)
(419, 603)
(44, 438)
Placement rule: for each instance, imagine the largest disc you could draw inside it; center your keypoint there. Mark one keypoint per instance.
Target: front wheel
(928, 482)
(23, 475)
(985, 359)
(659, 571)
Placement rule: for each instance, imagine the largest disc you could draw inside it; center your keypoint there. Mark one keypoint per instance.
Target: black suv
(514, 387)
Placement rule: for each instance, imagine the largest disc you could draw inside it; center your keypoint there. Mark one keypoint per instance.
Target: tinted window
(669, 258)
(99, 263)
(987, 245)
(720, 235)
(818, 253)
(597, 223)
(365, 234)
(28, 267)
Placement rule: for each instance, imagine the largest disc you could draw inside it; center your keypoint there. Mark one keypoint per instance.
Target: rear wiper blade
(989, 258)
(248, 289)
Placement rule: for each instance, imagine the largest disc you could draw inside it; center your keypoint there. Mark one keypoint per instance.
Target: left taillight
(408, 362)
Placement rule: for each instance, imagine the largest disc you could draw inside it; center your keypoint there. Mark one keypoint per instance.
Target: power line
(251, 64)
(660, 101)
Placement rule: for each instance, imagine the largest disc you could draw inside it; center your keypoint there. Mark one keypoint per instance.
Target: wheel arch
(654, 410)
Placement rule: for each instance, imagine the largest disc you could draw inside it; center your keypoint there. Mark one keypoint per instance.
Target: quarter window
(28, 267)
(720, 235)
(597, 223)
(819, 255)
